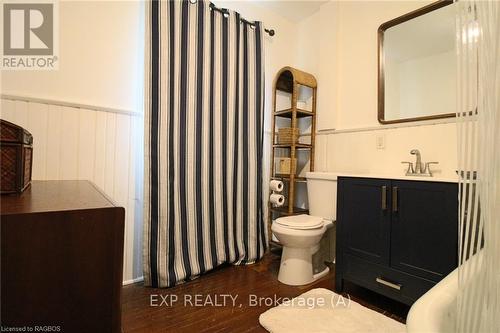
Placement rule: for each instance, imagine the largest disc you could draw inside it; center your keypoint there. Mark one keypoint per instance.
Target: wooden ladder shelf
(291, 82)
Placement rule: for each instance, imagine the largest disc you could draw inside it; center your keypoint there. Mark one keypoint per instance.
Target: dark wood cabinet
(396, 237)
(61, 258)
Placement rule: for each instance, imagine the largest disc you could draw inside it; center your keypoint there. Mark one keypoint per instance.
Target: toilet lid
(300, 222)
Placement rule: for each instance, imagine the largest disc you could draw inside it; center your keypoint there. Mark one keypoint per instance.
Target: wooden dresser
(61, 258)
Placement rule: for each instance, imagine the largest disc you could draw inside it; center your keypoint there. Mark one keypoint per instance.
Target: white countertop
(392, 176)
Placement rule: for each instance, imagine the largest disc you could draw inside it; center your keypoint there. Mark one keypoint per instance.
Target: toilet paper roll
(277, 199)
(276, 185)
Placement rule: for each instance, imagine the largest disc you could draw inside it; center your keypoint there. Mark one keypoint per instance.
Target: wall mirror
(417, 65)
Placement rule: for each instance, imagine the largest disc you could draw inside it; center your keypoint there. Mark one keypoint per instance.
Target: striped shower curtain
(478, 129)
(204, 141)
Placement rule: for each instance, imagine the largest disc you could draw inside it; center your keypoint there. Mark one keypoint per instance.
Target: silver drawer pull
(395, 199)
(388, 284)
(384, 197)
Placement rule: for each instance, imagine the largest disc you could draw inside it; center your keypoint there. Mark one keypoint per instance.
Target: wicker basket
(16, 151)
(287, 135)
(285, 166)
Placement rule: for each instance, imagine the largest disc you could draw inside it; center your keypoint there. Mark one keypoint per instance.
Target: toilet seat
(300, 222)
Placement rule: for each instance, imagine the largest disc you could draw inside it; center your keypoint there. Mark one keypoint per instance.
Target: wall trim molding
(386, 127)
(31, 99)
(132, 281)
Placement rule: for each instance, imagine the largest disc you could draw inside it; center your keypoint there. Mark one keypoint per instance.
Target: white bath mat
(321, 310)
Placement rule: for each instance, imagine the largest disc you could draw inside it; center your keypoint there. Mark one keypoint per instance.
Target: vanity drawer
(392, 283)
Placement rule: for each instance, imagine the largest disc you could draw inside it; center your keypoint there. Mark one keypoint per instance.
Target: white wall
(101, 64)
(317, 50)
(347, 93)
(99, 61)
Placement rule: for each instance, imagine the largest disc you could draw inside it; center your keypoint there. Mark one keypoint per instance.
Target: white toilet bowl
(300, 236)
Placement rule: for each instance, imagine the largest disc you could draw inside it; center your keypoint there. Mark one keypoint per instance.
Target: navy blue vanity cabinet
(424, 225)
(367, 233)
(396, 237)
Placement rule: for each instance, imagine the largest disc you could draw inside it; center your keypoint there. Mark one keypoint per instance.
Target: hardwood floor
(176, 309)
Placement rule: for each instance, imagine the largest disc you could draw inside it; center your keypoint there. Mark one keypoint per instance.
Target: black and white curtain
(204, 141)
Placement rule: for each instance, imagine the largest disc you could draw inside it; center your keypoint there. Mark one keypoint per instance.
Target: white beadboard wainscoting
(356, 151)
(103, 145)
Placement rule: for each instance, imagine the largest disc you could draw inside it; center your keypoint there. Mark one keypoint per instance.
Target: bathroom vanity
(396, 237)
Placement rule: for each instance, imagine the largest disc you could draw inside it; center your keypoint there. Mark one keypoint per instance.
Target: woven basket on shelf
(285, 166)
(287, 135)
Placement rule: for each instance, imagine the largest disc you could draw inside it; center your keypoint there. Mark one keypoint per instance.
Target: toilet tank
(322, 194)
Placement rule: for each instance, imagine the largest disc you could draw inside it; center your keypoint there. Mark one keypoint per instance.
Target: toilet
(300, 235)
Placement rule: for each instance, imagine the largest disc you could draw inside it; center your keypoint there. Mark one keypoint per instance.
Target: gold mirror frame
(381, 78)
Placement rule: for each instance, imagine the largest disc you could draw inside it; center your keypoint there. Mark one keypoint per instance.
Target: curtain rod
(271, 32)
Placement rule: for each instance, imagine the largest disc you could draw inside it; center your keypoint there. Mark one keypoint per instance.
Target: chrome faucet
(418, 162)
(418, 170)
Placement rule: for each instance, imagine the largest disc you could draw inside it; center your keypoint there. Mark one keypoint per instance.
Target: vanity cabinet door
(363, 220)
(424, 231)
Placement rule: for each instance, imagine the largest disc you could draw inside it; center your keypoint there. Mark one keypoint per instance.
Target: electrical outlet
(380, 141)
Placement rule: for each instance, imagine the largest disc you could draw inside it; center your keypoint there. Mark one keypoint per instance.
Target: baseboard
(132, 281)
